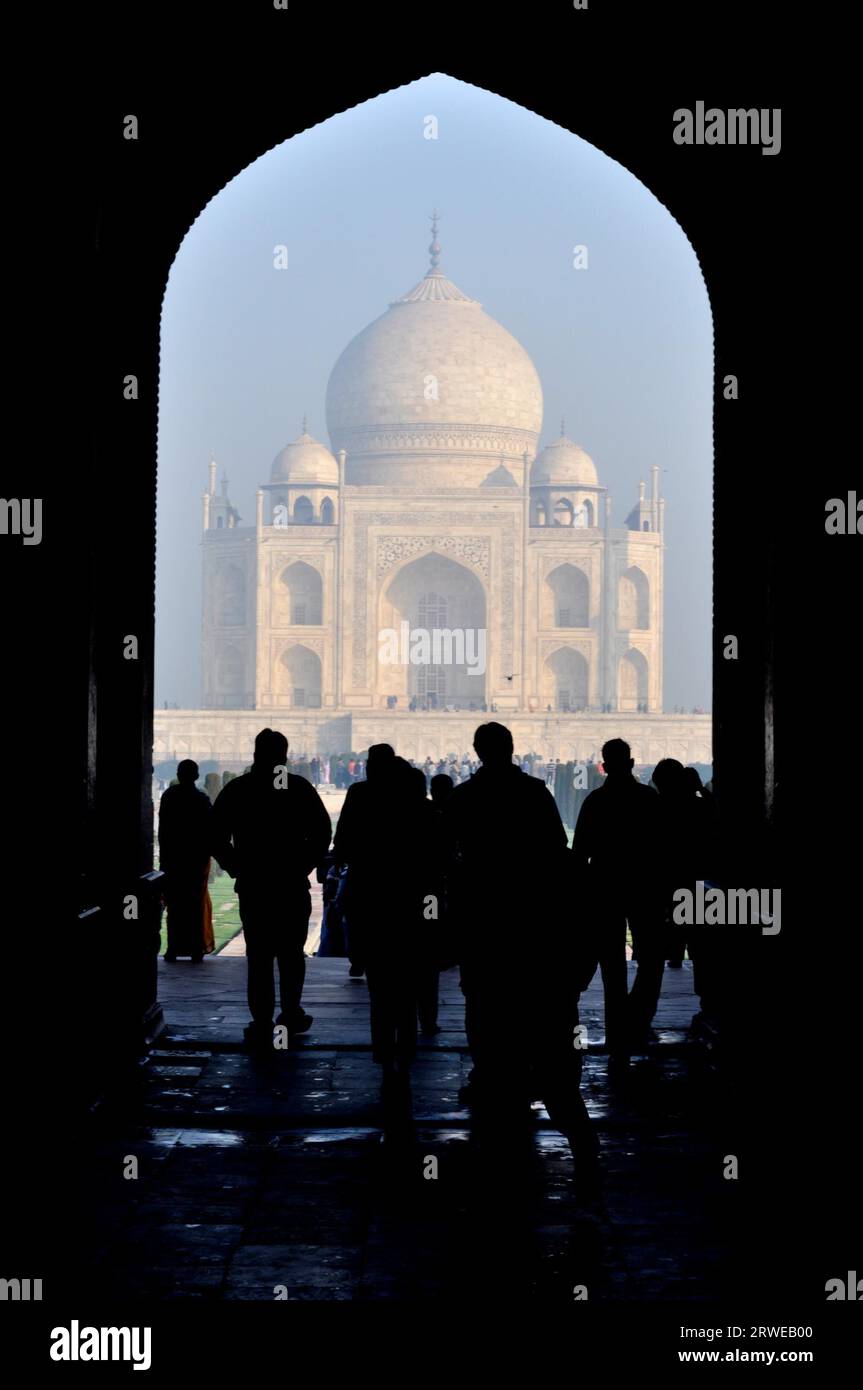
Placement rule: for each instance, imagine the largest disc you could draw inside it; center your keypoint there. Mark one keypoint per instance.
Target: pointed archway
(440, 597)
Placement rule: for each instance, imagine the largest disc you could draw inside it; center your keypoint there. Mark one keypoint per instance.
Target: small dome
(564, 464)
(305, 461)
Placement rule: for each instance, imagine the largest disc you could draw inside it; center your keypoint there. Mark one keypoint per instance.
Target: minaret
(654, 497)
(209, 495)
(218, 513)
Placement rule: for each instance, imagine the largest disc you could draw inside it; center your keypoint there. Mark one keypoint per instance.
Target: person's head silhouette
(617, 758)
(669, 777)
(692, 780)
(380, 761)
(493, 745)
(417, 782)
(271, 751)
(441, 789)
(187, 773)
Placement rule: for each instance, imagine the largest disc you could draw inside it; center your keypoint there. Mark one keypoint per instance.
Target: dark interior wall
(82, 839)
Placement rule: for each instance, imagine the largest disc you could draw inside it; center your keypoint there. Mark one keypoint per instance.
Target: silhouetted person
(392, 859)
(677, 827)
(270, 830)
(333, 940)
(687, 852)
(615, 846)
(184, 856)
(442, 788)
(351, 831)
(429, 858)
(507, 885)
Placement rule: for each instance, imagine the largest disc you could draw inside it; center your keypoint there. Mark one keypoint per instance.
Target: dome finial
(434, 249)
(563, 427)
(305, 424)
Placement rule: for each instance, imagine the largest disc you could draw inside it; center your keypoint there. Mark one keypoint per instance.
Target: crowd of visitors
(451, 863)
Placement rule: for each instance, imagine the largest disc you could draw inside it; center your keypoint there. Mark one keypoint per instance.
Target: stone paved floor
(260, 1177)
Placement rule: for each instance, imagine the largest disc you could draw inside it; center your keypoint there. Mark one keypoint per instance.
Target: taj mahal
(437, 507)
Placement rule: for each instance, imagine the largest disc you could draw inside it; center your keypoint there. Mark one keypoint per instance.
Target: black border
(214, 88)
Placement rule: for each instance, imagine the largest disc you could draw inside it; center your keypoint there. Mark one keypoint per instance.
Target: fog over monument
(382, 501)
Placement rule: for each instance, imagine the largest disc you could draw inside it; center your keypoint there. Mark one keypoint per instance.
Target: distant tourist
(387, 836)
(184, 858)
(615, 847)
(348, 849)
(270, 831)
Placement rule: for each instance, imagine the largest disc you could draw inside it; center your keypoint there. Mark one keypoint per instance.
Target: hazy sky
(623, 349)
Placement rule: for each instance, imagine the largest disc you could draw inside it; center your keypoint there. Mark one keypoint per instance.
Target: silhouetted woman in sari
(184, 857)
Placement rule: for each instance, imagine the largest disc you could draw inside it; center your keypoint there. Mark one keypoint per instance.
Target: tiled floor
(279, 1178)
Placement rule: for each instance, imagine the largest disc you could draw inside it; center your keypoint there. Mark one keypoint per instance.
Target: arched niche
(632, 682)
(299, 597)
(633, 604)
(566, 681)
(566, 597)
(298, 678)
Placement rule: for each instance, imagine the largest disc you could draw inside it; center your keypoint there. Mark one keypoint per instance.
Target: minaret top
(434, 286)
(434, 248)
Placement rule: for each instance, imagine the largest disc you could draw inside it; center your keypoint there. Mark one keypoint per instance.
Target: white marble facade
(434, 508)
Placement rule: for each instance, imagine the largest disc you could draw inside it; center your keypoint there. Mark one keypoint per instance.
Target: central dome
(434, 391)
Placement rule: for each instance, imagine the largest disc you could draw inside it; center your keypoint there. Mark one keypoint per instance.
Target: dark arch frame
(151, 192)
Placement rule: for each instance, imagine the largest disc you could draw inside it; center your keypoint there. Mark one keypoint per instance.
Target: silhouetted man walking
(616, 848)
(507, 883)
(388, 842)
(270, 830)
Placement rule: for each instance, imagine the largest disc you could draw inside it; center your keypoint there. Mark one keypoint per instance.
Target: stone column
(660, 607)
